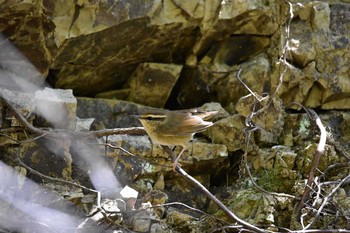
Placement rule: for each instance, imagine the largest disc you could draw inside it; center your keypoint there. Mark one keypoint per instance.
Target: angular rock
(180, 221)
(110, 113)
(49, 157)
(171, 11)
(117, 48)
(235, 50)
(147, 220)
(205, 152)
(30, 30)
(229, 132)
(285, 157)
(57, 107)
(194, 87)
(152, 83)
(245, 202)
(150, 159)
(129, 195)
(255, 73)
(194, 9)
(137, 145)
(265, 138)
(299, 86)
(319, 45)
(255, 18)
(267, 113)
(23, 102)
(83, 125)
(155, 197)
(234, 18)
(302, 48)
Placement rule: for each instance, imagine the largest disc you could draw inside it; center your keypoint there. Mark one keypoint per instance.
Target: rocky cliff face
(257, 62)
(121, 49)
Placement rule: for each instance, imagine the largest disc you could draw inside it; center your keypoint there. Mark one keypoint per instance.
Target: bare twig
(246, 86)
(55, 133)
(326, 200)
(317, 155)
(98, 193)
(191, 208)
(115, 147)
(197, 184)
(285, 48)
(53, 178)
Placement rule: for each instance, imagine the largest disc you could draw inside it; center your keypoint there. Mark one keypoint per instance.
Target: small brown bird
(175, 128)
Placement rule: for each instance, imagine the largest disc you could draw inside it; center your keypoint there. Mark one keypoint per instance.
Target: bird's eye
(149, 118)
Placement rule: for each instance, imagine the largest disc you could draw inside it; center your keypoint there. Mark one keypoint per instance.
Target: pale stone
(296, 85)
(285, 157)
(57, 107)
(136, 145)
(301, 50)
(207, 151)
(229, 132)
(83, 125)
(321, 16)
(267, 114)
(23, 102)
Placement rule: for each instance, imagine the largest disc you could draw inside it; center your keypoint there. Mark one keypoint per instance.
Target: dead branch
(317, 155)
(20, 162)
(59, 133)
(115, 147)
(197, 184)
(246, 86)
(99, 208)
(285, 48)
(326, 200)
(192, 209)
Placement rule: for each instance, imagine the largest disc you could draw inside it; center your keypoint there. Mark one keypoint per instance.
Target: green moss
(304, 127)
(273, 181)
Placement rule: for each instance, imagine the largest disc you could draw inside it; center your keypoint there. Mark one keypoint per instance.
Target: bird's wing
(205, 115)
(185, 123)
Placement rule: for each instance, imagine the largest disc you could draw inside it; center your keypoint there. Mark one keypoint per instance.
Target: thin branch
(285, 47)
(246, 86)
(59, 133)
(191, 208)
(326, 200)
(115, 147)
(51, 178)
(197, 184)
(317, 155)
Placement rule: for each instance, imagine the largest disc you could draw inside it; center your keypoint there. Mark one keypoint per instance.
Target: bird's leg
(178, 157)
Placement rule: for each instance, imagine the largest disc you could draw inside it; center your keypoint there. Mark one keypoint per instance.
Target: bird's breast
(171, 140)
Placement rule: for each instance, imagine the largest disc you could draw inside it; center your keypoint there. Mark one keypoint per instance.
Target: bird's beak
(136, 116)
